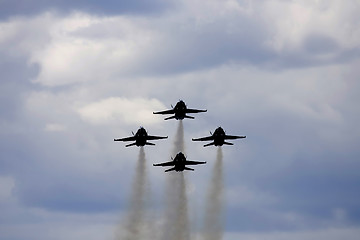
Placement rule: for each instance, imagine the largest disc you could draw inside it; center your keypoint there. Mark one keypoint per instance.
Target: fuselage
(219, 136)
(140, 136)
(179, 161)
(180, 110)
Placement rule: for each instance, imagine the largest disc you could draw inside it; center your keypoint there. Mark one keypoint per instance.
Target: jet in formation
(218, 138)
(179, 163)
(180, 110)
(140, 137)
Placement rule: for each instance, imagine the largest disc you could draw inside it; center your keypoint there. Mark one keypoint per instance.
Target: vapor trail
(176, 215)
(134, 222)
(213, 222)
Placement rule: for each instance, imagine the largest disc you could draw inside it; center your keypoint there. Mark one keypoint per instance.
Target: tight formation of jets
(179, 163)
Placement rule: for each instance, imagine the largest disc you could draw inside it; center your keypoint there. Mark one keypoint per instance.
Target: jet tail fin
(170, 169)
(149, 143)
(186, 116)
(227, 143)
(187, 168)
(209, 144)
(132, 144)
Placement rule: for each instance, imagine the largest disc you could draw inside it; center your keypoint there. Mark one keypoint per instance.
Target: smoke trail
(213, 222)
(135, 219)
(176, 215)
(179, 143)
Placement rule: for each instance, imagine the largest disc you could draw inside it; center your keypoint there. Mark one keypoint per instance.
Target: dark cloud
(299, 161)
(10, 8)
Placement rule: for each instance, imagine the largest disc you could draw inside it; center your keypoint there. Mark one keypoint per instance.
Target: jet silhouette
(218, 138)
(141, 138)
(179, 163)
(180, 110)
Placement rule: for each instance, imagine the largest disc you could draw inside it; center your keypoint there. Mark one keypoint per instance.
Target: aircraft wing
(189, 110)
(126, 139)
(165, 112)
(193, 162)
(171, 163)
(233, 137)
(204, 138)
(154, 137)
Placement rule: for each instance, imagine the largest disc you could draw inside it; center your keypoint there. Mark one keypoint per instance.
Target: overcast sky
(74, 76)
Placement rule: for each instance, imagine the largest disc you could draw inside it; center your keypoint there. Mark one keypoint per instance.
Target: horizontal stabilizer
(227, 143)
(187, 168)
(170, 169)
(209, 144)
(132, 144)
(149, 143)
(186, 116)
(169, 118)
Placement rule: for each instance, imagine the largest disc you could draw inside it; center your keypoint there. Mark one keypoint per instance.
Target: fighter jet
(179, 163)
(140, 137)
(180, 110)
(218, 138)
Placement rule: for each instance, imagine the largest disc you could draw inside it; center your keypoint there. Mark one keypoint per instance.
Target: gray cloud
(109, 7)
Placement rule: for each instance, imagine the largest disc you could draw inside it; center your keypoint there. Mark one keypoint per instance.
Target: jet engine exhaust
(134, 221)
(179, 143)
(213, 222)
(176, 225)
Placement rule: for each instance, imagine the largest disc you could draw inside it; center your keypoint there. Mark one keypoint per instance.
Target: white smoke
(134, 225)
(176, 225)
(179, 143)
(213, 220)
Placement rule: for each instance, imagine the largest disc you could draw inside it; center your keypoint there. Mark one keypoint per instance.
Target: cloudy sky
(76, 75)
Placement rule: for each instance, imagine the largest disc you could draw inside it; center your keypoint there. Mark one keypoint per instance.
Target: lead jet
(180, 110)
(218, 138)
(179, 163)
(140, 137)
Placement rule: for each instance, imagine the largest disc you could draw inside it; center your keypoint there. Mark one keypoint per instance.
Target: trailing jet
(179, 163)
(140, 137)
(218, 138)
(180, 110)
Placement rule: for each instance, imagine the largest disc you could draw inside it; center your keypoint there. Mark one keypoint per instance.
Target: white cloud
(130, 111)
(292, 22)
(88, 48)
